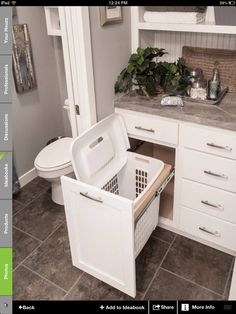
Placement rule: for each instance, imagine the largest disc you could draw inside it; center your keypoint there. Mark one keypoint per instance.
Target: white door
(76, 41)
(101, 233)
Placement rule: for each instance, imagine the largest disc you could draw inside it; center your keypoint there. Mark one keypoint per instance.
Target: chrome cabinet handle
(212, 205)
(216, 174)
(219, 146)
(144, 129)
(99, 200)
(214, 233)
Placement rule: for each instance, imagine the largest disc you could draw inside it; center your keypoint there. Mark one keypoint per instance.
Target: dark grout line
(158, 268)
(28, 234)
(228, 277)
(154, 236)
(168, 250)
(29, 203)
(194, 283)
(72, 287)
(137, 291)
(15, 200)
(37, 247)
(49, 281)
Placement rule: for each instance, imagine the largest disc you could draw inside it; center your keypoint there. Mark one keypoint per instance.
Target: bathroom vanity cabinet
(200, 201)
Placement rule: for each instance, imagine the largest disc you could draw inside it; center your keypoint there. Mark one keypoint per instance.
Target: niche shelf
(52, 21)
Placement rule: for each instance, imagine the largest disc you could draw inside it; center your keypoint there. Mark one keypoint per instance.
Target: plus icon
(102, 307)
(20, 307)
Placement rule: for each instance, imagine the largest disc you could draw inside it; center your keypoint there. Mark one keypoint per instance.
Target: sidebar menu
(5, 161)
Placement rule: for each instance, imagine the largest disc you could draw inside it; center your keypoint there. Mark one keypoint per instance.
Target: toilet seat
(54, 156)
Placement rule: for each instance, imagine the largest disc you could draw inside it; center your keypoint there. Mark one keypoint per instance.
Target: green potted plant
(147, 76)
(174, 76)
(141, 72)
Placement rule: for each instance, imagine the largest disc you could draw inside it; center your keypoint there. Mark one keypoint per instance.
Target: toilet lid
(55, 154)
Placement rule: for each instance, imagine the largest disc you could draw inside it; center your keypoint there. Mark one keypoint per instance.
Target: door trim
(77, 49)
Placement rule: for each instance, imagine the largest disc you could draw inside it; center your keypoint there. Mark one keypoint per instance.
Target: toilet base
(57, 195)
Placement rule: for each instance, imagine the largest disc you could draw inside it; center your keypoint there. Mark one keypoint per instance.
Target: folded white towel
(174, 17)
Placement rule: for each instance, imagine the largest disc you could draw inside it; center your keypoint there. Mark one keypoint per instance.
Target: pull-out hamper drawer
(209, 228)
(107, 232)
(113, 206)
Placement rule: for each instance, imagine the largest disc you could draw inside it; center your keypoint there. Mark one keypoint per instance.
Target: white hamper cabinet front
(113, 206)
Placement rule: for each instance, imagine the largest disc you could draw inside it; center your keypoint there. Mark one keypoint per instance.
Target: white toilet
(54, 161)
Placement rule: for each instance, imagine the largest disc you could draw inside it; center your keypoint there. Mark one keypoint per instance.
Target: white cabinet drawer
(151, 128)
(210, 141)
(209, 200)
(209, 228)
(209, 169)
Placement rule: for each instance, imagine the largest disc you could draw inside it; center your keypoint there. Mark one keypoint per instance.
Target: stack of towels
(175, 14)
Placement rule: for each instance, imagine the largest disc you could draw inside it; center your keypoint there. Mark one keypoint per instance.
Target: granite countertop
(220, 116)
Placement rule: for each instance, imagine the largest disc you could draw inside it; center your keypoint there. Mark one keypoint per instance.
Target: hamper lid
(100, 152)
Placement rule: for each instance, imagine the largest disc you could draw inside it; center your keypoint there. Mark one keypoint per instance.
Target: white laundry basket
(131, 182)
(110, 209)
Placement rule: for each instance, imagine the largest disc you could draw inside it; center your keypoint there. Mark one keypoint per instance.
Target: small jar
(198, 91)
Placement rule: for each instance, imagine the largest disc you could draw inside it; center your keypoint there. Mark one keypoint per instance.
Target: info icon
(184, 307)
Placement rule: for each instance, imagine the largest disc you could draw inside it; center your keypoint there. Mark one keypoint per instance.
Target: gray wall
(111, 48)
(37, 114)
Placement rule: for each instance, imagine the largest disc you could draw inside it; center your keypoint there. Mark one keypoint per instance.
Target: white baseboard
(27, 177)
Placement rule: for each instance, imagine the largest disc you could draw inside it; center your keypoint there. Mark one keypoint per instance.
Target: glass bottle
(214, 84)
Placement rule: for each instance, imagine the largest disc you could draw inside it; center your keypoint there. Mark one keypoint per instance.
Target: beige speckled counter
(220, 116)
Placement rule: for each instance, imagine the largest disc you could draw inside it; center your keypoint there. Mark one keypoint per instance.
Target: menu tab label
(5, 127)
(6, 30)
(5, 175)
(5, 223)
(5, 81)
(5, 271)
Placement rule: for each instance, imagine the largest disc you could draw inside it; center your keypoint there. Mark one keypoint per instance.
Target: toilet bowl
(54, 161)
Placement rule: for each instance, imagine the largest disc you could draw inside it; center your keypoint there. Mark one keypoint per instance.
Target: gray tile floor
(169, 267)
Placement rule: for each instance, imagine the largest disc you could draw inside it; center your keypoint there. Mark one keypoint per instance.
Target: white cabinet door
(101, 234)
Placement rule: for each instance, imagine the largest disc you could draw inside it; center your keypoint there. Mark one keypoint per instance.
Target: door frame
(77, 51)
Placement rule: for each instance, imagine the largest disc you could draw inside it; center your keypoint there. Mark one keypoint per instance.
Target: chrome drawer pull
(219, 146)
(214, 233)
(99, 200)
(212, 205)
(144, 129)
(216, 174)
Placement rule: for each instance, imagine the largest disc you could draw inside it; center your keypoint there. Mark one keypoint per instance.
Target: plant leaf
(140, 60)
(130, 68)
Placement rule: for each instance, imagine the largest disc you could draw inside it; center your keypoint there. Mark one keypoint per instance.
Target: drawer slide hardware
(158, 192)
(223, 176)
(229, 149)
(212, 205)
(99, 200)
(144, 129)
(214, 233)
